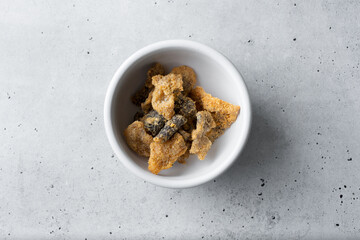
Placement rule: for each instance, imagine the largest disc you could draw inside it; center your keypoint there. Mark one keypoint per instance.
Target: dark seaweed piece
(138, 115)
(185, 106)
(170, 128)
(154, 122)
(190, 125)
(140, 96)
(185, 135)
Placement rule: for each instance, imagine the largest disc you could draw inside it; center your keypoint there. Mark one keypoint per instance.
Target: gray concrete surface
(297, 179)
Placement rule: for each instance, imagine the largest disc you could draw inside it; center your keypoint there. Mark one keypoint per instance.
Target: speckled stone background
(298, 177)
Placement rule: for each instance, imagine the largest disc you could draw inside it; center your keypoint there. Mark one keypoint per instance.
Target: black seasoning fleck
(263, 182)
(224, 210)
(341, 196)
(294, 39)
(349, 159)
(166, 215)
(337, 224)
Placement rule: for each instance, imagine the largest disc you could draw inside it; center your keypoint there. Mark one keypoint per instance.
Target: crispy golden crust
(157, 69)
(169, 83)
(223, 113)
(201, 143)
(163, 97)
(182, 159)
(137, 138)
(164, 154)
(188, 77)
(163, 104)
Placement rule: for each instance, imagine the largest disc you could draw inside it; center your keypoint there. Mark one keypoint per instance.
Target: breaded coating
(157, 69)
(186, 155)
(166, 89)
(188, 77)
(146, 105)
(169, 83)
(170, 128)
(153, 122)
(224, 113)
(201, 143)
(187, 138)
(164, 154)
(163, 104)
(137, 138)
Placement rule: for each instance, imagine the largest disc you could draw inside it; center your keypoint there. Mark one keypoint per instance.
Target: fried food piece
(185, 135)
(138, 116)
(146, 105)
(157, 69)
(224, 113)
(137, 138)
(214, 133)
(188, 77)
(186, 155)
(163, 97)
(185, 106)
(201, 143)
(140, 96)
(169, 83)
(164, 154)
(190, 125)
(153, 122)
(170, 128)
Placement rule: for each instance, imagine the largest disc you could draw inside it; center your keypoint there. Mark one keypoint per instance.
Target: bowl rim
(160, 180)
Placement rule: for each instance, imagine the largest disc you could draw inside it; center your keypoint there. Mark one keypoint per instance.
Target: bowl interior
(214, 76)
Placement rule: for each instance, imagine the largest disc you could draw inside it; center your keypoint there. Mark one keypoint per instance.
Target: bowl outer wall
(159, 180)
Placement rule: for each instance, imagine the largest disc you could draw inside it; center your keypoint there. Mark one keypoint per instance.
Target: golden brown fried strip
(163, 97)
(137, 138)
(188, 77)
(201, 143)
(164, 154)
(224, 113)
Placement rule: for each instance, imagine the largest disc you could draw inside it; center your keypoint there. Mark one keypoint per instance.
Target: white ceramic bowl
(215, 73)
